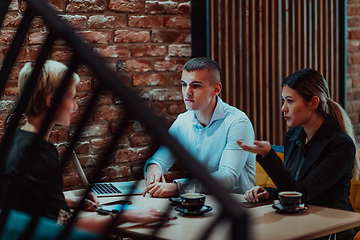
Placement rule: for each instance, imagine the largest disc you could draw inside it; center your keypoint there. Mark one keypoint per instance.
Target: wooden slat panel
(257, 43)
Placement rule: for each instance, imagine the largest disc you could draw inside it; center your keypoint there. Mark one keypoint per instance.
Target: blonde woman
(44, 181)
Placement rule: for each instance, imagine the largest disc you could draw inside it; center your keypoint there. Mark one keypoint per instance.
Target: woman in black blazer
(319, 152)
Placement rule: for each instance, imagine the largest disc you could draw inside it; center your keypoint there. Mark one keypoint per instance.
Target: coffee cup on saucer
(193, 201)
(290, 200)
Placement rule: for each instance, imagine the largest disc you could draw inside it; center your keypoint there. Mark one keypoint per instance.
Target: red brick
(353, 1)
(132, 154)
(86, 6)
(103, 143)
(125, 36)
(61, 54)
(58, 134)
(96, 36)
(187, 38)
(37, 22)
(169, 65)
(82, 147)
(353, 22)
(83, 98)
(175, 79)
(148, 51)
(113, 51)
(12, 20)
(133, 65)
(58, 5)
(14, 74)
(94, 130)
(27, 54)
(353, 45)
(133, 6)
(159, 108)
(108, 113)
(11, 88)
(149, 79)
(353, 70)
(177, 22)
(354, 118)
(163, 94)
(71, 180)
(353, 10)
(84, 70)
(185, 8)
(132, 126)
(145, 21)
(104, 100)
(7, 36)
(180, 50)
(103, 21)
(75, 21)
(167, 36)
(83, 85)
(156, 7)
(140, 139)
(177, 108)
(170, 176)
(351, 95)
(355, 58)
(37, 37)
(356, 83)
(77, 116)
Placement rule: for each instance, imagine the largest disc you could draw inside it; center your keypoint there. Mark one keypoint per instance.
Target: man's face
(196, 89)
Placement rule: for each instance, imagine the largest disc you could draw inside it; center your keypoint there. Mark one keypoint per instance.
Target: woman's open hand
(260, 147)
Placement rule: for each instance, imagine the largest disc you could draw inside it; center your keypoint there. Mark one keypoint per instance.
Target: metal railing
(82, 54)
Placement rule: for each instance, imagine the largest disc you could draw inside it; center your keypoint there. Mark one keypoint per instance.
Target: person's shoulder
(234, 113)
(185, 116)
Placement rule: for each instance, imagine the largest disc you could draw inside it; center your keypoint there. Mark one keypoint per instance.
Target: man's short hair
(204, 63)
(49, 81)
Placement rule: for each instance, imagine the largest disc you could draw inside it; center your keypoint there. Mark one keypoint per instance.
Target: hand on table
(260, 147)
(145, 216)
(159, 189)
(254, 194)
(153, 175)
(91, 203)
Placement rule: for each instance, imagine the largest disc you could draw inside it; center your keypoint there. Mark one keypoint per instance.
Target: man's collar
(217, 114)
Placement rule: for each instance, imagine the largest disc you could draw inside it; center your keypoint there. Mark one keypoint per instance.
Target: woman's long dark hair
(309, 83)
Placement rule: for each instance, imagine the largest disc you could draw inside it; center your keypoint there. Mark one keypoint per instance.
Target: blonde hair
(49, 81)
(309, 83)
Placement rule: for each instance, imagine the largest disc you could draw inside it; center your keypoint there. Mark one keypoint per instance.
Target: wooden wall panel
(257, 43)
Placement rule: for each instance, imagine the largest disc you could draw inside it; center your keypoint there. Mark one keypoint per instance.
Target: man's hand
(254, 194)
(162, 190)
(153, 175)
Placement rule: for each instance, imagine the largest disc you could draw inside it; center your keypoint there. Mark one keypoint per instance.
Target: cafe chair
(46, 229)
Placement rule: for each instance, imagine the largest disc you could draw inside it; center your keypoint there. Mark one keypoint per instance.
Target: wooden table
(264, 222)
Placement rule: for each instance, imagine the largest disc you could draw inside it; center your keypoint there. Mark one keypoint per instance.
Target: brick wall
(146, 42)
(353, 71)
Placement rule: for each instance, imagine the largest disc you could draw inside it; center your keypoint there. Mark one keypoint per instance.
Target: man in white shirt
(208, 131)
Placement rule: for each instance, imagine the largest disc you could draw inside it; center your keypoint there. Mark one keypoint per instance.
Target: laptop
(107, 189)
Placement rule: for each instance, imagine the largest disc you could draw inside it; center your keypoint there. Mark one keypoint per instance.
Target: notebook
(106, 189)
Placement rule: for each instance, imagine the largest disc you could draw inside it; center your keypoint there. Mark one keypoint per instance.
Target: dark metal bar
(4, 5)
(342, 20)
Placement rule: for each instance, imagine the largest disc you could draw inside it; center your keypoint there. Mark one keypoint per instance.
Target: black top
(41, 192)
(325, 166)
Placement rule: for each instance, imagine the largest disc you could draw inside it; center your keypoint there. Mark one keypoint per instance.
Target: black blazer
(325, 175)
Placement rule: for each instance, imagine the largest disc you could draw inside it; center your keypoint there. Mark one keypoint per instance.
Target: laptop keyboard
(105, 188)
